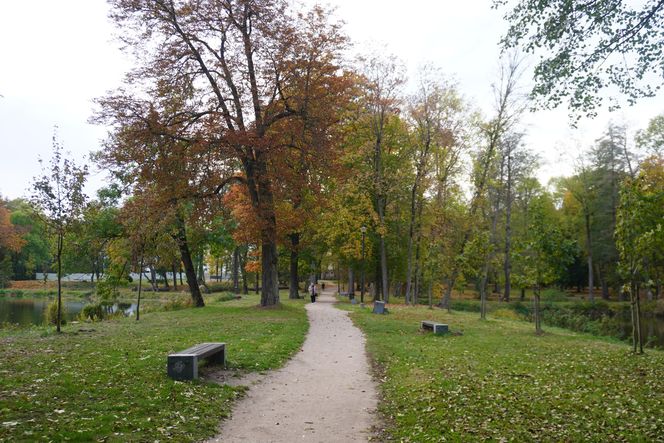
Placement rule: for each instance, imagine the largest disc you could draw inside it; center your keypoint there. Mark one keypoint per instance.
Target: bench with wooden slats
(183, 365)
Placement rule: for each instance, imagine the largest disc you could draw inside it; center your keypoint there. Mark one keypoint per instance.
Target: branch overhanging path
(324, 394)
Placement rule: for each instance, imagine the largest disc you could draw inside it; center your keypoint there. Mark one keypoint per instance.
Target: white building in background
(79, 276)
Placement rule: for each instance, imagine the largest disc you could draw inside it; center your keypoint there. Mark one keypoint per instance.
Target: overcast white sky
(56, 56)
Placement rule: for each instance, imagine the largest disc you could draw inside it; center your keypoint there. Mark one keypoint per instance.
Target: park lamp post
(364, 231)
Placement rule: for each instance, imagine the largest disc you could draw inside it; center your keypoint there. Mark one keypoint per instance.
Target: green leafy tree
(640, 235)
(587, 47)
(548, 251)
(651, 139)
(58, 195)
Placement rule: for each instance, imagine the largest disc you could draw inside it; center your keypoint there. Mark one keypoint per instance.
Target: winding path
(324, 394)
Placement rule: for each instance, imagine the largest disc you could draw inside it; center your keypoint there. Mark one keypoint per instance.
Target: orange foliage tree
(10, 241)
(245, 72)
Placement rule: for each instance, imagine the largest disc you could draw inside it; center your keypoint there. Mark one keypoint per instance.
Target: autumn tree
(58, 196)
(240, 65)
(440, 124)
(35, 255)
(10, 241)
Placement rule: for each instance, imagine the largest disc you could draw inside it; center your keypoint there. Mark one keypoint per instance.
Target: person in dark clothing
(313, 292)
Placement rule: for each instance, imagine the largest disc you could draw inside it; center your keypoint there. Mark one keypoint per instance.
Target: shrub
(93, 312)
(220, 286)
(51, 313)
(107, 290)
(178, 303)
(465, 305)
(553, 294)
(226, 296)
(506, 313)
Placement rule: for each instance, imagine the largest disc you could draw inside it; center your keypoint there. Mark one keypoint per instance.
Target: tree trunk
(293, 288)
(236, 270)
(243, 268)
(508, 230)
(411, 234)
(538, 320)
(175, 278)
(270, 281)
(351, 283)
(483, 286)
(190, 271)
(262, 199)
(59, 258)
(140, 289)
(591, 283)
(632, 305)
(603, 283)
(638, 319)
(153, 278)
(383, 270)
(448, 290)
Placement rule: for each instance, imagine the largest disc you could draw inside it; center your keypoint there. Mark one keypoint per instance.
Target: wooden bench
(183, 365)
(437, 328)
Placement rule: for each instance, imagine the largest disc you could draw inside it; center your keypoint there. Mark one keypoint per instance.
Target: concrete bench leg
(219, 358)
(183, 367)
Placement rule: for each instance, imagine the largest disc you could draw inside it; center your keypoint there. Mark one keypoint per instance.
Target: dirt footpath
(324, 394)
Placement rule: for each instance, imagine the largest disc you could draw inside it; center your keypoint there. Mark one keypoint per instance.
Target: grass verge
(107, 381)
(498, 381)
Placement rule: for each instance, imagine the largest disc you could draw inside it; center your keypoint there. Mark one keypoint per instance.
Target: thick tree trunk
(270, 281)
(190, 271)
(293, 289)
(262, 199)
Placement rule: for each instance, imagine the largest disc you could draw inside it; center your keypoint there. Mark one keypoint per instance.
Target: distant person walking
(313, 292)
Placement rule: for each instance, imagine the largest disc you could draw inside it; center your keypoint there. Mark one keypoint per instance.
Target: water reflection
(30, 311)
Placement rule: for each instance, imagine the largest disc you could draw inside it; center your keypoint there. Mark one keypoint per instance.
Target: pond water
(30, 311)
(652, 329)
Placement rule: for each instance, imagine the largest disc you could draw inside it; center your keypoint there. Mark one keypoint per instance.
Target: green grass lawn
(107, 381)
(499, 381)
